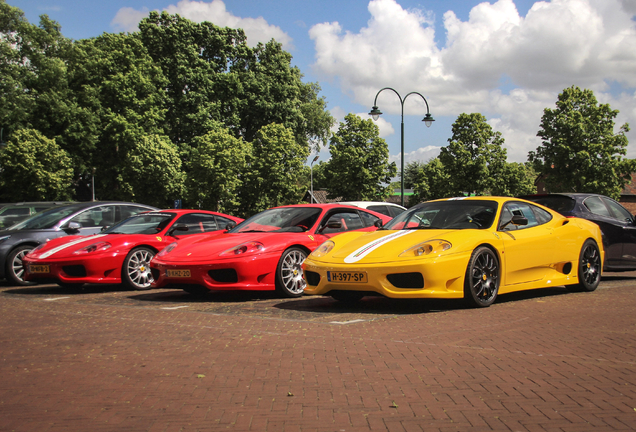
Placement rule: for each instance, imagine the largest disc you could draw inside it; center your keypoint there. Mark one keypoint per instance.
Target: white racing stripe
(371, 246)
(67, 245)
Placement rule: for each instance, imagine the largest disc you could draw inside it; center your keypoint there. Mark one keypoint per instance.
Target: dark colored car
(11, 214)
(617, 223)
(75, 219)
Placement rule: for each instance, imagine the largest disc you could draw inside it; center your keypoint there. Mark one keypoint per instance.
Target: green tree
(359, 167)
(215, 169)
(34, 168)
(275, 170)
(430, 182)
(475, 157)
(33, 84)
(516, 179)
(580, 151)
(120, 106)
(214, 76)
(151, 172)
(411, 173)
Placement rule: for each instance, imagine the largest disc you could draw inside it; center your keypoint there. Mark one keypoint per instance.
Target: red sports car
(121, 253)
(262, 253)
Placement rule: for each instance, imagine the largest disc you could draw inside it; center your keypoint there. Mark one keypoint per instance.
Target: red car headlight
(95, 247)
(167, 249)
(244, 248)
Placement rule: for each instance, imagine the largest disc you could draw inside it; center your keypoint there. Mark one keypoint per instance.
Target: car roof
(365, 204)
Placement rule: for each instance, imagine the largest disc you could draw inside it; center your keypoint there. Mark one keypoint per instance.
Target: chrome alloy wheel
(290, 273)
(137, 269)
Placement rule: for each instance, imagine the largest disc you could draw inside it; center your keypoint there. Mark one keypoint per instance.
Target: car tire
(289, 273)
(481, 283)
(135, 273)
(14, 270)
(349, 297)
(589, 268)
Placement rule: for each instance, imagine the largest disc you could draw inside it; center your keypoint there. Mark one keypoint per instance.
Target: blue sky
(505, 59)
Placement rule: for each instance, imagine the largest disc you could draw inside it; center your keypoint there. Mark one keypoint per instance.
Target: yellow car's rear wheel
(589, 270)
(481, 283)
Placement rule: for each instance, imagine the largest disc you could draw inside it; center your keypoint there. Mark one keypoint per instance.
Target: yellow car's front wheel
(481, 283)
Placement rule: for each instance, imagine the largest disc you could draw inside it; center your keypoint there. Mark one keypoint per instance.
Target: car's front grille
(406, 280)
(312, 278)
(75, 270)
(224, 275)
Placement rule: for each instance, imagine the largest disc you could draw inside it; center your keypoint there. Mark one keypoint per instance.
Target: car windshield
(286, 219)
(453, 214)
(147, 223)
(46, 219)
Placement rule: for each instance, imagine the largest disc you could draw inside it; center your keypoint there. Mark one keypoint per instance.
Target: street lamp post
(428, 120)
(311, 175)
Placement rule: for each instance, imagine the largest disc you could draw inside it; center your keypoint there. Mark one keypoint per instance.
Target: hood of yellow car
(381, 245)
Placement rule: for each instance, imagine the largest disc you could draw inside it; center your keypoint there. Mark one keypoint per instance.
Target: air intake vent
(75, 270)
(224, 275)
(312, 278)
(406, 280)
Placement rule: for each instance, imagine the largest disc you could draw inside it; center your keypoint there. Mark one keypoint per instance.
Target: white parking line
(347, 322)
(56, 298)
(173, 308)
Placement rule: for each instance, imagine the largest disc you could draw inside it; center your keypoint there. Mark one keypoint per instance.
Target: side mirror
(72, 226)
(378, 224)
(177, 227)
(519, 220)
(230, 225)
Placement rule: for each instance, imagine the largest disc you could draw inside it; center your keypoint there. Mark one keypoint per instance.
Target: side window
(618, 210)
(596, 206)
(517, 209)
(198, 223)
(348, 221)
(368, 219)
(380, 209)
(395, 211)
(95, 217)
(127, 211)
(541, 215)
(222, 222)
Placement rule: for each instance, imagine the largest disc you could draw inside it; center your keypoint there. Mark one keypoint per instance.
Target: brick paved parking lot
(105, 359)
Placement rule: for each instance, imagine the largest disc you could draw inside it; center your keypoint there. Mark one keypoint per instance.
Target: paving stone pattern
(552, 361)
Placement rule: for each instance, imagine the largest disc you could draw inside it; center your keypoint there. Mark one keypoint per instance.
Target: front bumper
(255, 273)
(97, 270)
(439, 277)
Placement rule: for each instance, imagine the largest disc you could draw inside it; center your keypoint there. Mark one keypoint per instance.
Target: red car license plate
(178, 273)
(347, 276)
(39, 268)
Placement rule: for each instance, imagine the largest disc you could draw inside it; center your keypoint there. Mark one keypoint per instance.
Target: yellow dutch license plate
(347, 276)
(39, 268)
(178, 273)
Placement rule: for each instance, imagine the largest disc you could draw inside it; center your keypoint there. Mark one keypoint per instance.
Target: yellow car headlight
(323, 249)
(434, 247)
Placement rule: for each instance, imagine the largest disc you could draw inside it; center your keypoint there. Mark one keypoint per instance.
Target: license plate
(178, 273)
(40, 268)
(346, 276)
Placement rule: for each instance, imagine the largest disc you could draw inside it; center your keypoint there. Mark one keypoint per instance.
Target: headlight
(244, 248)
(95, 247)
(3, 238)
(323, 249)
(434, 247)
(167, 249)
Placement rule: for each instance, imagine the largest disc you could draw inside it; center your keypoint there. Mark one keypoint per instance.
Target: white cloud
(559, 43)
(256, 29)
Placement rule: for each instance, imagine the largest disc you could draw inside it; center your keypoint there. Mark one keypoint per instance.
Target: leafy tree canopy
(34, 168)
(430, 182)
(580, 152)
(359, 167)
(475, 157)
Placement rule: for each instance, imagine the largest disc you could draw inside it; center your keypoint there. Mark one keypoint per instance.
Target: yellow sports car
(472, 248)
